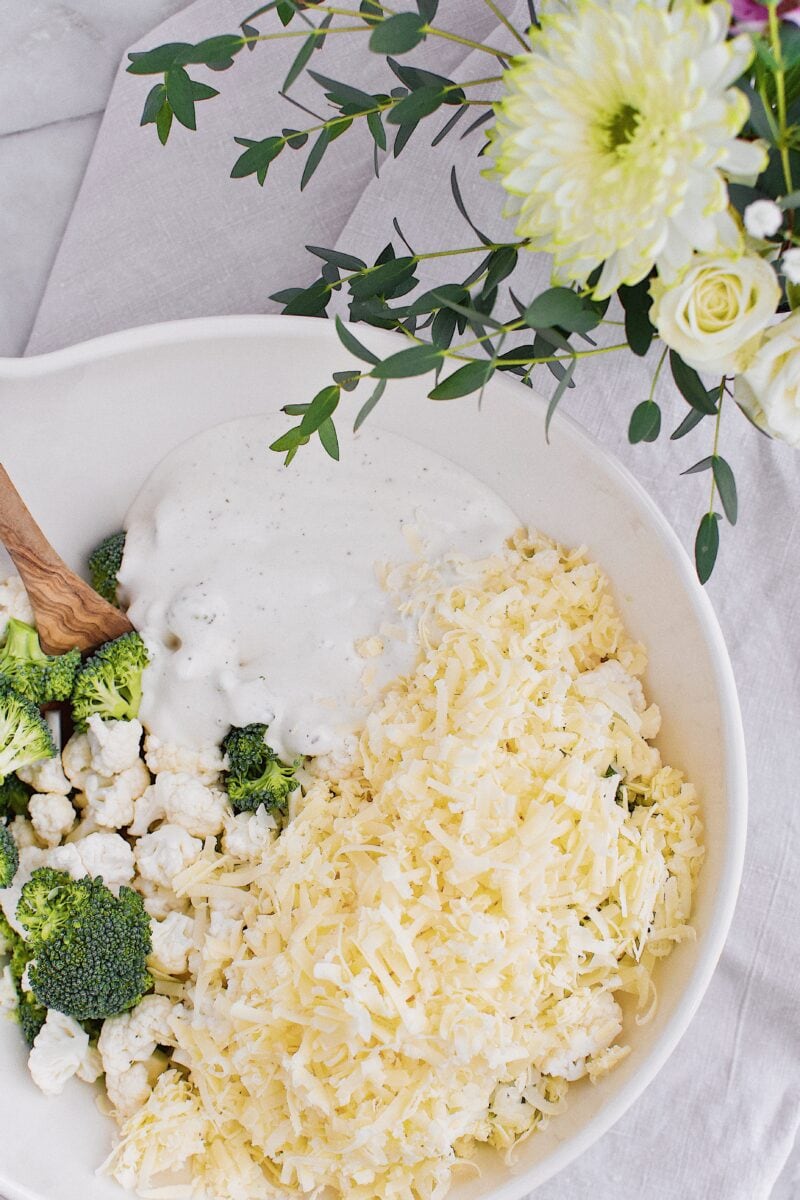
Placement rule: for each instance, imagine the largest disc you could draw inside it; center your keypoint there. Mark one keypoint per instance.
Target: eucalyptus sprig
(480, 321)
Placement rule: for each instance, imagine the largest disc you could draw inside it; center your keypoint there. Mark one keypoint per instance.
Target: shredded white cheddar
(433, 947)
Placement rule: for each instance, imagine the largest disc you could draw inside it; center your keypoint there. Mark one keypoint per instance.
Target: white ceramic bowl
(84, 426)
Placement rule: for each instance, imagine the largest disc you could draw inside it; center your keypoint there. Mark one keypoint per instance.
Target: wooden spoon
(68, 612)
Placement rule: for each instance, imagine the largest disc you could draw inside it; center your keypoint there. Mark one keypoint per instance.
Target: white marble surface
(57, 64)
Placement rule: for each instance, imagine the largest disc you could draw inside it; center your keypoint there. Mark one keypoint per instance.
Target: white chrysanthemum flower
(615, 133)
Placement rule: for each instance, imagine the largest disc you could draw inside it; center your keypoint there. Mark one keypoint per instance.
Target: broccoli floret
(30, 1013)
(14, 797)
(25, 736)
(9, 857)
(104, 564)
(39, 676)
(89, 946)
(110, 682)
(255, 774)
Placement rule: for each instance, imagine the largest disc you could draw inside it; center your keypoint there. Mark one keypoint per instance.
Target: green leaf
(179, 95)
(295, 410)
(215, 52)
(351, 343)
(349, 380)
(443, 328)
(645, 424)
(417, 105)
(257, 158)
(367, 408)
(706, 546)
(417, 77)
(295, 138)
(202, 91)
(691, 386)
(637, 302)
(383, 279)
(287, 294)
(398, 34)
(438, 296)
(315, 157)
(692, 418)
(371, 11)
(427, 9)
(704, 464)
(311, 302)
(289, 441)
(502, 263)
(327, 435)
(375, 126)
(344, 93)
(417, 360)
(459, 199)
(346, 262)
(560, 306)
(164, 122)
(469, 378)
(561, 387)
(323, 405)
(300, 60)
(465, 310)
(449, 124)
(726, 486)
(157, 60)
(153, 103)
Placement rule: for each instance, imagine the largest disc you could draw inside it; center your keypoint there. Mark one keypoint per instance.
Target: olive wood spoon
(68, 612)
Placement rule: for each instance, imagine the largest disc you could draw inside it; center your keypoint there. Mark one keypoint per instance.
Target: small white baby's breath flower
(790, 265)
(762, 218)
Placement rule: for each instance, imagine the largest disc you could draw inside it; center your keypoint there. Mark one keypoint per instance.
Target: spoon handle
(68, 612)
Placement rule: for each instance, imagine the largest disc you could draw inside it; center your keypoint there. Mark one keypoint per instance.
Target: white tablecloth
(157, 234)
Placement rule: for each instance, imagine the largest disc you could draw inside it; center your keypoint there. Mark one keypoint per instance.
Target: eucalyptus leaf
(469, 378)
(344, 93)
(179, 95)
(398, 34)
(692, 418)
(311, 302)
(153, 103)
(367, 408)
(323, 405)
(417, 360)
(315, 157)
(637, 302)
(502, 263)
(351, 343)
(346, 262)
(383, 279)
(348, 380)
(706, 546)
(555, 399)
(418, 104)
(726, 486)
(164, 122)
(691, 386)
(158, 60)
(450, 124)
(327, 435)
(645, 423)
(402, 137)
(375, 126)
(560, 306)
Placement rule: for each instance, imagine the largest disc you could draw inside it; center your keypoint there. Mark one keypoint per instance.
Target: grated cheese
(434, 946)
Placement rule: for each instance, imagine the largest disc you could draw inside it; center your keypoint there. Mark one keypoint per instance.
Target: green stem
(524, 362)
(462, 41)
(780, 91)
(716, 444)
(505, 21)
(656, 374)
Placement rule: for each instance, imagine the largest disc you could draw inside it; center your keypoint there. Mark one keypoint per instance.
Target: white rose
(715, 314)
(770, 390)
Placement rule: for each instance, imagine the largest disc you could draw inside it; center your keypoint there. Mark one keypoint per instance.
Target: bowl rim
(193, 329)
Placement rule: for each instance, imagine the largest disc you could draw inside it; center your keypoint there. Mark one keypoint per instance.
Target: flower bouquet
(651, 148)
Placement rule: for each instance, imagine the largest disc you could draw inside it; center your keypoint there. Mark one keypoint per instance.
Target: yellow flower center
(621, 127)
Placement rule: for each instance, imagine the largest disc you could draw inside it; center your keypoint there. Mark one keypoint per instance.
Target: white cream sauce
(251, 583)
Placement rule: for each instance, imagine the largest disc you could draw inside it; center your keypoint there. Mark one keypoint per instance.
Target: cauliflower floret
(205, 763)
(52, 817)
(107, 855)
(111, 801)
(8, 991)
(180, 799)
(247, 835)
(161, 855)
(60, 1050)
(76, 759)
(132, 1037)
(64, 858)
(131, 1089)
(159, 902)
(23, 832)
(46, 776)
(14, 602)
(172, 941)
(114, 745)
